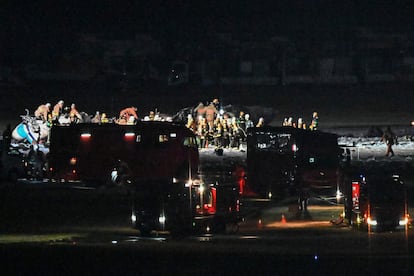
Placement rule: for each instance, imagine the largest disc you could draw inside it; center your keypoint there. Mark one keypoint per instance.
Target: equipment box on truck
(282, 161)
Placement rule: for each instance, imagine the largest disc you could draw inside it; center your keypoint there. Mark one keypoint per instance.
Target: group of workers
(301, 124)
(127, 115)
(51, 115)
(221, 129)
(211, 125)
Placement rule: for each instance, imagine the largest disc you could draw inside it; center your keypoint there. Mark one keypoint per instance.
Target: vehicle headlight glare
(201, 189)
(338, 195)
(161, 219)
(403, 221)
(371, 221)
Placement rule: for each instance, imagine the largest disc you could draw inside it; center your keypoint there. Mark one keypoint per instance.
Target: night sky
(47, 18)
(33, 30)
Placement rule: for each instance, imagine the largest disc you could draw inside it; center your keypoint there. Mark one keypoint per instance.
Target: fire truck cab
(180, 208)
(376, 200)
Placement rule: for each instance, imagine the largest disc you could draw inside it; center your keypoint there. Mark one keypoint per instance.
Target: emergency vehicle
(96, 154)
(282, 161)
(191, 207)
(376, 200)
(157, 161)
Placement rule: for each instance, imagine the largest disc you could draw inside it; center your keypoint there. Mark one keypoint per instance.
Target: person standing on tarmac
(241, 122)
(389, 137)
(210, 115)
(249, 123)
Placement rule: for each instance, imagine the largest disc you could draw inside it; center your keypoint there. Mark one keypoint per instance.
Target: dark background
(37, 31)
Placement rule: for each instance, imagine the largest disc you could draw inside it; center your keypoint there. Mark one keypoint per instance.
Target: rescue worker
(249, 123)
(104, 118)
(42, 112)
(300, 123)
(96, 118)
(191, 124)
(225, 132)
(216, 103)
(211, 112)
(57, 110)
(388, 137)
(236, 135)
(200, 110)
(202, 132)
(218, 133)
(303, 199)
(74, 114)
(128, 115)
(260, 123)
(241, 121)
(315, 121)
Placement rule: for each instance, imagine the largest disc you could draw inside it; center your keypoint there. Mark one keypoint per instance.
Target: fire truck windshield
(390, 191)
(273, 141)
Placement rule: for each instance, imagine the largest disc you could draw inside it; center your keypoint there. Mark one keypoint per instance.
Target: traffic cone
(283, 220)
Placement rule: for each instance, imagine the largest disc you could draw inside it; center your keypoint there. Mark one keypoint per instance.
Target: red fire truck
(186, 208)
(376, 200)
(159, 161)
(98, 153)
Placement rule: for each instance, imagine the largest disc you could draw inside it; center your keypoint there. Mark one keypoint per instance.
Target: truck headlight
(371, 221)
(161, 219)
(403, 221)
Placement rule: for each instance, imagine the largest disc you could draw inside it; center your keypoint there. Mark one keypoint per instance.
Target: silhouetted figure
(389, 138)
